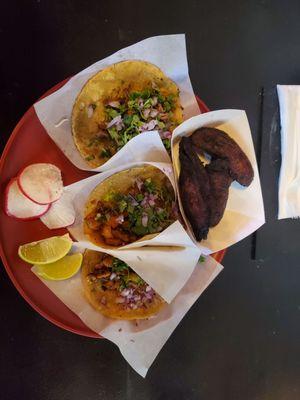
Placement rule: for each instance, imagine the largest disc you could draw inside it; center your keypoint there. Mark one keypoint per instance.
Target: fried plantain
(220, 145)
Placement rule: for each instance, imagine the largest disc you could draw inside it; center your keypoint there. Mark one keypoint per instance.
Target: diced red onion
(145, 201)
(148, 288)
(154, 100)
(132, 200)
(153, 113)
(103, 300)
(151, 199)
(145, 220)
(114, 104)
(125, 292)
(139, 183)
(115, 121)
(165, 135)
(112, 276)
(120, 219)
(119, 126)
(140, 103)
(148, 126)
(146, 113)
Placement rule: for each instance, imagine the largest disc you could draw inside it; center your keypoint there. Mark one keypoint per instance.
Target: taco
(129, 205)
(120, 102)
(115, 290)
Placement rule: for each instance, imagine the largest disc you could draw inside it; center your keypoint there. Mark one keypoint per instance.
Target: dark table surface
(241, 340)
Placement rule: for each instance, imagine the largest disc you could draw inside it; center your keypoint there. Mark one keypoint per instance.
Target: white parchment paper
(138, 341)
(165, 260)
(54, 111)
(244, 212)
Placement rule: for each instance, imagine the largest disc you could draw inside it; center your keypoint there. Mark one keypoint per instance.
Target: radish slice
(19, 206)
(61, 213)
(41, 183)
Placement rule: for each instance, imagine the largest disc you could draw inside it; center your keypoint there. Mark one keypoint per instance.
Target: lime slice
(46, 251)
(62, 269)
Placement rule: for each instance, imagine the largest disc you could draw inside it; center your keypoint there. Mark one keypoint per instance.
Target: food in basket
(115, 290)
(129, 205)
(120, 102)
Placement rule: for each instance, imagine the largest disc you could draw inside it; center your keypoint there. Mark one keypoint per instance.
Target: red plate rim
(88, 333)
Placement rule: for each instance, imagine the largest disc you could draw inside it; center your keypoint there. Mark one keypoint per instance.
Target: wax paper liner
(139, 341)
(54, 111)
(244, 211)
(165, 260)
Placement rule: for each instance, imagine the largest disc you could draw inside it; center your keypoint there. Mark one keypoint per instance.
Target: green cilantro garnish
(167, 143)
(122, 204)
(105, 153)
(201, 259)
(149, 185)
(133, 117)
(90, 157)
(119, 266)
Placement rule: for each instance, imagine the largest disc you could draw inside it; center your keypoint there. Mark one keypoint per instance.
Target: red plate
(29, 143)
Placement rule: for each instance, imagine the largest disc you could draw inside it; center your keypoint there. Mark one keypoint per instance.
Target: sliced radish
(19, 206)
(61, 213)
(41, 183)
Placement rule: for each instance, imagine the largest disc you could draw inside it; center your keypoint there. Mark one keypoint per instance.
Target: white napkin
(54, 111)
(289, 179)
(165, 260)
(244, 212)
(139, 341)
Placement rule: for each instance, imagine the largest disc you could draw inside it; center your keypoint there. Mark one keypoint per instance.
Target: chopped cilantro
(110, 196)
(139, 197)
(161, 125)
(127, 120)
(119, 266)
(149, 185)
(201, 259)
(131, 110)
(167, 106)
(111, 112)
(122, 205)
(90, 157)
(114, 134)
(105, 153)
(167, 143)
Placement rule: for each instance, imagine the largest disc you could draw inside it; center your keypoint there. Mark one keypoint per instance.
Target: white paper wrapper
(54, 111)
(289, 187)
(138, 342)
(244, 212)
(168, 259)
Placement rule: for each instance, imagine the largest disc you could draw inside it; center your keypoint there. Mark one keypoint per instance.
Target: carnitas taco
(115, 290)
(129, 205)
(120, 102)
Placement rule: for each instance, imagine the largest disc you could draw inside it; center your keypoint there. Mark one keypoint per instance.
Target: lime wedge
(46, 251)
(62, 269)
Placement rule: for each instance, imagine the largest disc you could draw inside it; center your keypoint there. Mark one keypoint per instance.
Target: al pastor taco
(129, 205)
(115, 290)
